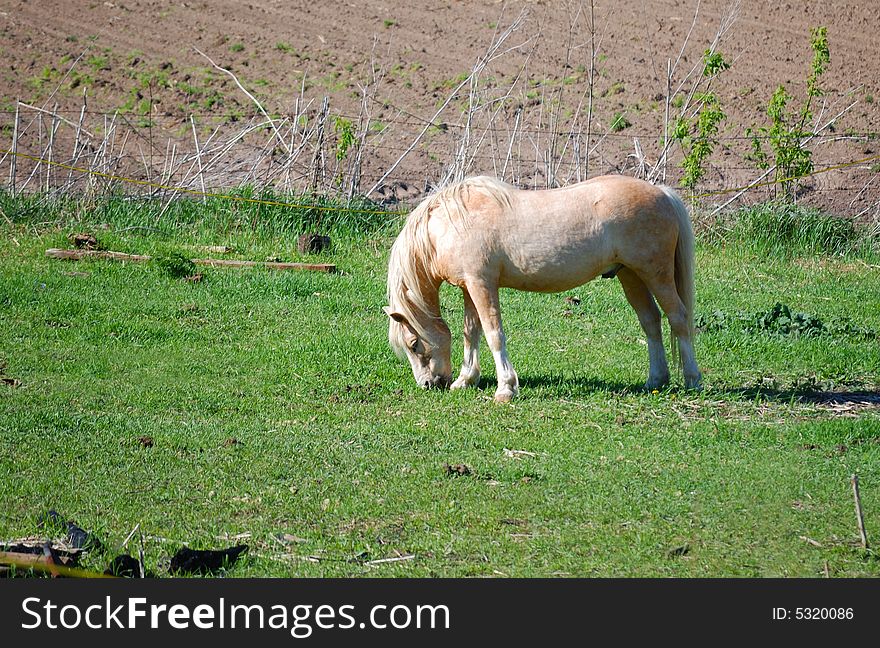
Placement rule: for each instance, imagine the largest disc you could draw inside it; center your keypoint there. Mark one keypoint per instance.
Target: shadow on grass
(810, 396)
(575, 386)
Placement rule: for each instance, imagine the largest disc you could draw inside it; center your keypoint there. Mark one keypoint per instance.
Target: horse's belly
(554, 270)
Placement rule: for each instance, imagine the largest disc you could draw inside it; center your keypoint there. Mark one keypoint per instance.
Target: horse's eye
(414, 346)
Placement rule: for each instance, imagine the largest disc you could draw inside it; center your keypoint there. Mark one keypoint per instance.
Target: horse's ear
(397, 317)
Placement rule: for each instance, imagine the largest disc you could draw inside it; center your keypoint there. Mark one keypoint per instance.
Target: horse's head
(429, 350)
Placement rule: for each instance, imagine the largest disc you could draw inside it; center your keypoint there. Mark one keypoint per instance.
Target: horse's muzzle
(438, 382)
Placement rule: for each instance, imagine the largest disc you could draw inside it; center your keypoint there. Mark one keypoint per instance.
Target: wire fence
(314, 150)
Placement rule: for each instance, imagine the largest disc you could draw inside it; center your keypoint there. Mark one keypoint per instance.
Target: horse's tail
(684, 262)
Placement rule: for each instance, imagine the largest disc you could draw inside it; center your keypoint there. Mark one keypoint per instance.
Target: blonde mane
(410, 267)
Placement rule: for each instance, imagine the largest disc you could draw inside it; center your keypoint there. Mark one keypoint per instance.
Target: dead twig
(860, 518)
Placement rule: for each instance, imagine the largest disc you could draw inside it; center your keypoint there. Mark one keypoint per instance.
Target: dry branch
(860, 518)
(79, 255)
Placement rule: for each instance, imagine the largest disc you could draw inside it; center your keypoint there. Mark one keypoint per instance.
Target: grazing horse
(482, 234)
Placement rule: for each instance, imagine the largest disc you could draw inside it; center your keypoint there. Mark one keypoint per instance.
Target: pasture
(267, 408)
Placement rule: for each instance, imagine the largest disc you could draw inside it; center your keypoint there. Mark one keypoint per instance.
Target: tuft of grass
(310, 213)
(174, 264)
(619, 122)
(98, 63)
(236, 47)
(786, 230)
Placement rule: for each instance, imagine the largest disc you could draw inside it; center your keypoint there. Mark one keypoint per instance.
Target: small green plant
(47, 74)
(619, 122)
(284, 47)
(98, 63)
(389, 23)
(236, 47)
(698, 135)
(781, 320)
(788, 131)
(174, 264)
(616, 88)
(344, 136)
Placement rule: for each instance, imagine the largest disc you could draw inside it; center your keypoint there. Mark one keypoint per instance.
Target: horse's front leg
(485, 298)
(470, 366)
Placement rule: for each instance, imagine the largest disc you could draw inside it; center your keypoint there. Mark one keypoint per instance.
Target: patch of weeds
(98, 63)
(236, 47)
(78, 79)
(616, 88)
(174, 264)
(619, 122)
(389, 23)
(213, 99)
(786, 229)
(46, 75)
(188, 89)
(284, 47)
(781, 320)
(449, 84)
(333, 82)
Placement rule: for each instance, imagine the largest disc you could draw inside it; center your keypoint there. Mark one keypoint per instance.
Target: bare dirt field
(137, 65)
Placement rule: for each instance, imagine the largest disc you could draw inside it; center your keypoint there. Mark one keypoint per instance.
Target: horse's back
(556, 239)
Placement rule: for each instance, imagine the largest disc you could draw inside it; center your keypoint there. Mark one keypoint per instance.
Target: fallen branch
(79, 255)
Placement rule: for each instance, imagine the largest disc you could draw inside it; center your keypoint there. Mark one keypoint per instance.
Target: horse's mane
(412, 255)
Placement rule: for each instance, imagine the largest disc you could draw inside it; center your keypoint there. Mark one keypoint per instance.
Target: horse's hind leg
(639, 297)
(663, 288)
(485, 298)
(470, 366)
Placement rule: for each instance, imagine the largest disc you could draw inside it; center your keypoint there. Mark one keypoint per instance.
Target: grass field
(275, 406)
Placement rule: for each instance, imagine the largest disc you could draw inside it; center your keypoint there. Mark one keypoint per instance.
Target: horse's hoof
(504, 396)
(462, 383)
(656, 383)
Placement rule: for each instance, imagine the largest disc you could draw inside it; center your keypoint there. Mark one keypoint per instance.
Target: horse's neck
(429, 291)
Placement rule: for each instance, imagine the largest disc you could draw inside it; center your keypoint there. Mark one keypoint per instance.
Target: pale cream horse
(482, 234)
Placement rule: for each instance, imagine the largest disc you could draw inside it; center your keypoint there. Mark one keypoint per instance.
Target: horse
(482, 234)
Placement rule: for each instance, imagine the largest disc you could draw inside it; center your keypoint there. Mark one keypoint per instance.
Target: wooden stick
(40, 563)
(859, 517)
(14, 158)
(79, 255)
(383, 561)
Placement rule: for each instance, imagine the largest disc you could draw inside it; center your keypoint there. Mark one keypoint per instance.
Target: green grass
(785, 229)
(338, 447)
(619, 122)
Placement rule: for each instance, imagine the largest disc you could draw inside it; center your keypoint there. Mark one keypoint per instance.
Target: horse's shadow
(581, 386)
